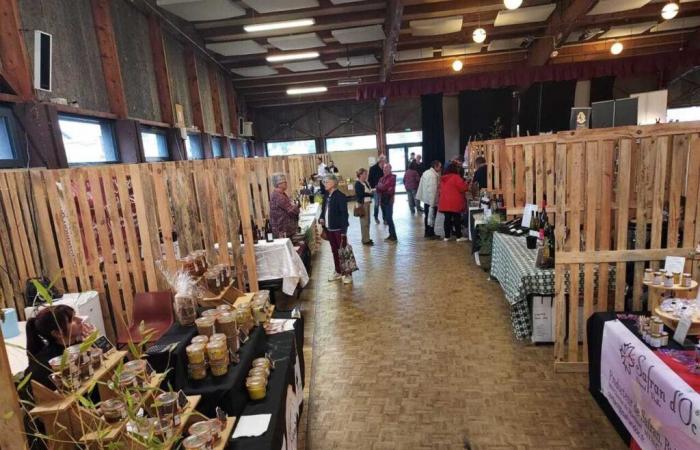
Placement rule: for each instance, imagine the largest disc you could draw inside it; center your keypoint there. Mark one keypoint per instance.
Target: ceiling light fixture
(512, 4)
(307, 90)
(670, 10)
(292, 56)
(616, 48)
(479, 35)
(253, 28)
(457, 65)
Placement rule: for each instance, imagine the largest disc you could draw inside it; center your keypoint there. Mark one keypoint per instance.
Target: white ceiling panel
(434, 27)
(532, 14)
(414, 53)
(305, 66)
(270, 6)
(355, 61)
(627, 30)
(505, 44)
(297, 41)
(583, 35)
(359, 34)
(613, 6)
(255, 71)
(236, 48)
(463, 49)
(678, 23)
(195, 10)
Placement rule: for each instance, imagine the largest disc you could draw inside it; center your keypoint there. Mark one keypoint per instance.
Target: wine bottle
(533, 221)
(268, 231)
(256, 235)
(240, 232)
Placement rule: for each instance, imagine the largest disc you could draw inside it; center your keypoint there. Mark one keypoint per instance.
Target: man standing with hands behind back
(375, 173)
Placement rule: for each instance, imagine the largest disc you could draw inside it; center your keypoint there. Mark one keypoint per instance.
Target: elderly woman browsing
(284, 215)
(334, 218)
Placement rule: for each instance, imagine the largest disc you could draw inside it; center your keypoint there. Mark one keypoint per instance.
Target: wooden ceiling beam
(160, 69)
(109, 56)
(13, 52)
(651, 11)
(560, 26)
(391, 28)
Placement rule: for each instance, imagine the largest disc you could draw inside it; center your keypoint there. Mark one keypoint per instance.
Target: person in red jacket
(452, 201)
(387, 189)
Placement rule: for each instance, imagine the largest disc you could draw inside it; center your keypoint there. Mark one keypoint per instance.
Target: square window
(216, 147)
(193, 145)
(404, 137)
(6, 150)
(87, 140)
(155, 145)
(9, 151)
(350, 143)
(291, 148)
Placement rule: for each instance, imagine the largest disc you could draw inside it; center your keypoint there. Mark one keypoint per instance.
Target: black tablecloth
(176, 359)
(595, 326)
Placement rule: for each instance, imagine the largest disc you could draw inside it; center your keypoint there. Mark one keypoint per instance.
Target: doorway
(398, 156)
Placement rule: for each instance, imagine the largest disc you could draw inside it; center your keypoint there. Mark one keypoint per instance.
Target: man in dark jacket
(334, 218)
(375, 173)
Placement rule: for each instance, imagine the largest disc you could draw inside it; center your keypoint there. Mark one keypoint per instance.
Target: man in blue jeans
(375, 173)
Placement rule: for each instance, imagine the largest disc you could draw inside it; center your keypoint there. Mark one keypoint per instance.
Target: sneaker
(445, 239)
(335, 277)
(347, 279)
(376, 220)
(462, 239)
(368, 243)
(391, 239)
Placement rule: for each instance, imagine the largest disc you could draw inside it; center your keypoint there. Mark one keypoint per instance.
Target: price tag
(682, 330)
(221, 415)
(674, 264)
(182, 400)
(104, 344)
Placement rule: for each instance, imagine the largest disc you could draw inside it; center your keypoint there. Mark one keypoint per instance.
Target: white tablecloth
(308, 215)
(278, 259)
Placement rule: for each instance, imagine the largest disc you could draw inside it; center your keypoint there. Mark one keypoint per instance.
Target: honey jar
(219, 368)
(113, 410)
(244, 319)
(200, 259)
(211, 313)
(233, 344)
(687, 280)
(188, 264)
(257, 387)
(195, 353)
(262, 362)
(166, 405)
(224, 309)
(648, 275)
(213, 281)
(194, 443)
(197, 371)
(668, 280)
(677, 278)
(65, 365)
(226, 324)
(259, 372)
(127, 380)
(658, 278)
(162, 428)
(200, 339)
(205, 325)
(217, 337)
(217, 351)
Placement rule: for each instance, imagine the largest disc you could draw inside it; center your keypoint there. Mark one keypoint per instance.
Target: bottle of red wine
(268, 231)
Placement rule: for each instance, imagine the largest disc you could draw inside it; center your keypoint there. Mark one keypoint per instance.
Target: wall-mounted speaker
(241, 120)
(43, 54)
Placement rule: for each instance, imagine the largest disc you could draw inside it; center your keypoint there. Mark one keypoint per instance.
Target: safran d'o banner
(659, 409)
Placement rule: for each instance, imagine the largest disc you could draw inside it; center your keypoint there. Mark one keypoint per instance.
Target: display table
(278, 260)
(627, 380)
(513, 265)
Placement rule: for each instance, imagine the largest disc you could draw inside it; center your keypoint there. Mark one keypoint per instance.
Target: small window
(8, 143)
(688, 114)
(155, 145)
(87, 140)
(291, 148)
(216, 147)
(349, 143)
(405, 137)
(193, 145)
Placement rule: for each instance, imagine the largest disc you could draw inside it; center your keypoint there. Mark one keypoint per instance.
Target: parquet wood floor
(418, 354)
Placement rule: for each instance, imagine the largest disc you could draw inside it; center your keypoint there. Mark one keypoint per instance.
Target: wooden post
(232, 108)
(13, 52)
(243, 195)
(109, 57)
(12, 434)
(193, 86)
(215, 100)
(160, 67)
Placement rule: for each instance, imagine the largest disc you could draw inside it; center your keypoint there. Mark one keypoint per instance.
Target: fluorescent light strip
(308, 90)
(292, 56)
(278, 25)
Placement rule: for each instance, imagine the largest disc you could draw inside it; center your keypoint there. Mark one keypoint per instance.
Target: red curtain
(523, 75)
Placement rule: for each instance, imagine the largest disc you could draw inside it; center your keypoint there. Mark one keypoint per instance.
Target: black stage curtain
(602, 88)
(433, 132)
(478, 110)
(546, 107)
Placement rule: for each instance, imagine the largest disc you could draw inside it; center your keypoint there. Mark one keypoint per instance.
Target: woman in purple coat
(411, 179)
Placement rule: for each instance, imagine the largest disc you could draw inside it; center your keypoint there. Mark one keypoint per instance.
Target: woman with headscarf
(334, 218)
(284, 214)
(387, 189)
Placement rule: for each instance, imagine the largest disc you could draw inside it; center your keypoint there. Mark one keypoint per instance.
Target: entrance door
(399, 159)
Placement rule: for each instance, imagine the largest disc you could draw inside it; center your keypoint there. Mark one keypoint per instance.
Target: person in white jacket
(428, 194)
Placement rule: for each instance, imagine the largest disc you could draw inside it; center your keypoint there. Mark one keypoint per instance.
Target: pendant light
(479, 35)
(457, 65)
(616, 48)
(670, 10)
(512, 4)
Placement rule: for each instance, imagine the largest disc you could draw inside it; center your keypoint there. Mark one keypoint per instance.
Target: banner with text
(659, 409)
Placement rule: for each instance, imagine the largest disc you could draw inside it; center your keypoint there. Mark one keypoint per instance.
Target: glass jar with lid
(185, 309)
(96, 357)
(262, 362)
(140, 368)
(127, 380)
(166, 406)
(219, 368)
(194, 443)
(213, 281)
(259, 371)
(200, 339)
(195, 353)
(224, 308)
(197, 371)
(226, 324)
(217, 351)
(257, 387)
(244, 318)
(205, 325)
(203, 430)
(113, 410)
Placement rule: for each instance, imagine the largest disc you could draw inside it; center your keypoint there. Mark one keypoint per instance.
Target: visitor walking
(321, 170)
(421, 169)
(375, 173)
(452, 201)
(331, 168)
(411, 179)
(387, 190)
(428, 194)
(364, 193)
(334, 219)
(284, 215)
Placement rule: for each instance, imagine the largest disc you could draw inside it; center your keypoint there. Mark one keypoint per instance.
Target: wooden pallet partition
(613, 189)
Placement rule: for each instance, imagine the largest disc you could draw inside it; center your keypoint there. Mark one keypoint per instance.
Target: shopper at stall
(334, 218)
(421, 169)
(284, 215)
(331, 168)
(387, 190)
(411, 179)
(48, 334)
(452, 201)
(428, 194)
(321, 170)
(364, 193)
(375, 173)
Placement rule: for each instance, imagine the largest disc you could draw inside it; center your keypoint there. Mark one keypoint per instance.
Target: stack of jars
(260, 307)
(226, 324)
(208, 351)
(244, 318)
(217, 352)
(195, 264)
(259, 374)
